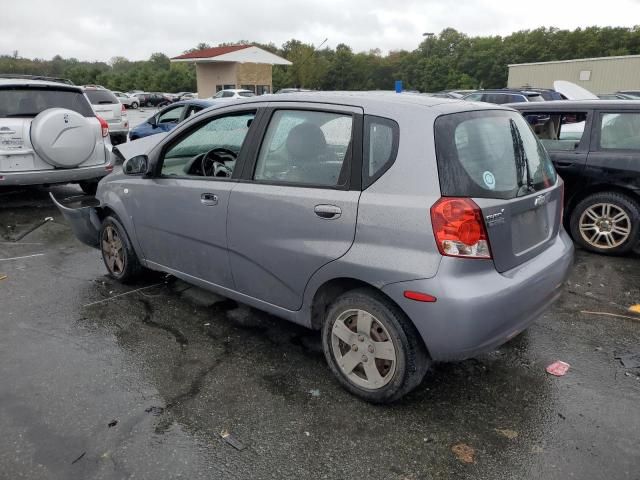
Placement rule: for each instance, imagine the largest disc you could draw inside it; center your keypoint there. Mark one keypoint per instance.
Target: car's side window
(474, 97)
(306, 148)
(211, 149)
(381, 138)
(620, 131)
(171, 116)
(558, 131)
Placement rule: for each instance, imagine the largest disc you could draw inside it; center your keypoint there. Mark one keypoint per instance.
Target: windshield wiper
(522, 162)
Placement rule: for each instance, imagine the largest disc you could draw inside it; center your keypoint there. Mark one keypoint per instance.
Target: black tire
(134, 105)
(130, 268)
(89, 187)
(619, 203)
(412, 358)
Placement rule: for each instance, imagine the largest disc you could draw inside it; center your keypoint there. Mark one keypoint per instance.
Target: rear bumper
(84, 220)
(58, 175)
(479, 309)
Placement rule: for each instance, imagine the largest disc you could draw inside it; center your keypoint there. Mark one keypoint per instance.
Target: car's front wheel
(117, 253)
(134, 105)
(606, 222)
(372, 347)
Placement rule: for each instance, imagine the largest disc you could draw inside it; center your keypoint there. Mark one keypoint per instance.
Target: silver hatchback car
(407, 229)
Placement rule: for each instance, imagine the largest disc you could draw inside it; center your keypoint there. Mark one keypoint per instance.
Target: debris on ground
(558, 368)
(505, 432)
(155, 411)
(606, 314)
(314, 392)
(635, 308)
(79, 458)
(232, 440)
(629, 360)
(464, 452)
(3, 277)
(112, 423)
(307, 434)
(32, 229)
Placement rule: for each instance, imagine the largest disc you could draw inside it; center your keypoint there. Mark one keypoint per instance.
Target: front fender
(84, 219)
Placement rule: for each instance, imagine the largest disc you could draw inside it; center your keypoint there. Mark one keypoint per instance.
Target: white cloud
(99, 30)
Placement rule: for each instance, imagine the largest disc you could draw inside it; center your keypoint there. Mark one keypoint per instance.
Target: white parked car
(127, 100)
(231, 93)
(107, 106)
(50, 134)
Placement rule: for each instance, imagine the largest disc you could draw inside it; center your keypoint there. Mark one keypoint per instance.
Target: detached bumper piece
(82, 214)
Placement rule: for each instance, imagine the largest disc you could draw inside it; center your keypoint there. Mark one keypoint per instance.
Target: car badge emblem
(66, 118)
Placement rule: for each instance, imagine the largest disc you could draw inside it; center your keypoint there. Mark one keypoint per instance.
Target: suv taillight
(104, 125)
(123, 110)
(459, 228)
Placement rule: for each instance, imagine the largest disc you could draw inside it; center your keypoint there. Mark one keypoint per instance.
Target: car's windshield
(30, 101)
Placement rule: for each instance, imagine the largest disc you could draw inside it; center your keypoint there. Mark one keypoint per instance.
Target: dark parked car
(595, 146)
(153, 99)
(167, 118)
(407, 230)
(502, 96)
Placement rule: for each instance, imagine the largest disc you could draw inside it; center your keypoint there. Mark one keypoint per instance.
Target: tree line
(450, 59)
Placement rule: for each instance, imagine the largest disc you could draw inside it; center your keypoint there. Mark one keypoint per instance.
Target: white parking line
(18, 258)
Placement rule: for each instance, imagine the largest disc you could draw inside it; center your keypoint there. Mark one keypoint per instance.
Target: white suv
(49, 134)
(107, 106)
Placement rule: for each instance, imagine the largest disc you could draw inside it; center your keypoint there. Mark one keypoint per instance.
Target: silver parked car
(126, 100)
(107, 106)
(49, 134)
(408, 229)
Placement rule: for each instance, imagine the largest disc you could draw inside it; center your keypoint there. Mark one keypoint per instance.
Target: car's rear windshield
(101, 97)
(30, 101)
(246, 94)
(490, 154)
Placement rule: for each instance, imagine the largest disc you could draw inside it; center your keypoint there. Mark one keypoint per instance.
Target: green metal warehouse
(598, 75)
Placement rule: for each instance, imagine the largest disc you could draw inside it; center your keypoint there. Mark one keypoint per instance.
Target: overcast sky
(99, 30)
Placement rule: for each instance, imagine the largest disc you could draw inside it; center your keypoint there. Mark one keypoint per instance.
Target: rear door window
(620, 131)
(29, 102)
(101, 97)
(306, 148)
(558, 131)
(490, 154)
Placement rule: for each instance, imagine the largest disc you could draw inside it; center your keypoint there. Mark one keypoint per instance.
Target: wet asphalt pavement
(99, 381)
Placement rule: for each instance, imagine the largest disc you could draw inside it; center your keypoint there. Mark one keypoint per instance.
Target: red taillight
(123, 110)
(459, 228)
(104, 125)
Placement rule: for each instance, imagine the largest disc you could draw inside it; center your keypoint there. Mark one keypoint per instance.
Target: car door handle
(564, 164)
(329, 212)
(209, 199)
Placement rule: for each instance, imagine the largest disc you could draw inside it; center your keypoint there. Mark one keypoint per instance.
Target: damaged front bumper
(82, 214)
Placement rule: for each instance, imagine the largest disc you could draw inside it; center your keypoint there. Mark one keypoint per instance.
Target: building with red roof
(233, 66)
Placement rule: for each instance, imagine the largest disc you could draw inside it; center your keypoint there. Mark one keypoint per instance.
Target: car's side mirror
(138, 165)
(153, 121)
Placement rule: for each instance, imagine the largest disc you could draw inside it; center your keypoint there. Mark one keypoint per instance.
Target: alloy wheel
(363, 349)
(113, 250)
(605, 225)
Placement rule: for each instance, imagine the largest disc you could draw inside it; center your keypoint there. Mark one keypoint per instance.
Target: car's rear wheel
(372, 347)
(117, 253)
(134, 105)
(606, 222)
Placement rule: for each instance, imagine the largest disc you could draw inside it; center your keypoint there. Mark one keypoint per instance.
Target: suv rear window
(30, 101)
(490, 154)
(101, 97)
